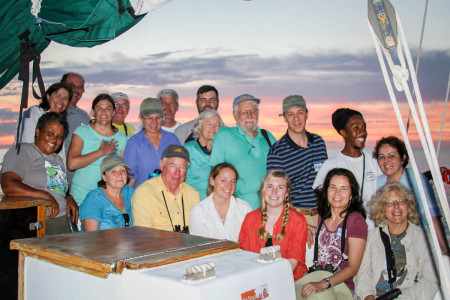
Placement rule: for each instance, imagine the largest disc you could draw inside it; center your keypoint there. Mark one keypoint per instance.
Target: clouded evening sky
(320, 49)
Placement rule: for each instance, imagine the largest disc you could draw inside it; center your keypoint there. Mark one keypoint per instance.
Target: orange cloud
(379, 115)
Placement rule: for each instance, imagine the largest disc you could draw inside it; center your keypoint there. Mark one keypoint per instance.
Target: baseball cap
(151, 106)
(243, 98)
(112, 161)
(294, 101)
(175, 151)
(117, 96)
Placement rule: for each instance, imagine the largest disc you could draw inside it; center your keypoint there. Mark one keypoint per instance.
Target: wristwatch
(328, 282)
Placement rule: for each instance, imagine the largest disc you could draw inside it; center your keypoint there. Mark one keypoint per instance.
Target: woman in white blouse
(220, 215)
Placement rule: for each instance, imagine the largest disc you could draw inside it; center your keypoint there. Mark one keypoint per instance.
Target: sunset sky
(322, 50)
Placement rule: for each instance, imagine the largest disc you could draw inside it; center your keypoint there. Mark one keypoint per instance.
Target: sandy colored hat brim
(112, 161)
(339, 292)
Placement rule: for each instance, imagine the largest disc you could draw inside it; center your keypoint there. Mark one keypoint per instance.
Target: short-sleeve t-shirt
(39, 171)
(97, 206)
(86, 178)
(330, 243)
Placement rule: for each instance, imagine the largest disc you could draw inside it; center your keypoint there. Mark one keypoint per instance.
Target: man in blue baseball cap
(244, 146)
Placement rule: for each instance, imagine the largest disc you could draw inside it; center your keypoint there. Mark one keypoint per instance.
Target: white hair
(167, 93)
(204, 115)
(235, 108)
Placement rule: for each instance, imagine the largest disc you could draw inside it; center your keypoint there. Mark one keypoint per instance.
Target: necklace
(154, 141)
(396, 237)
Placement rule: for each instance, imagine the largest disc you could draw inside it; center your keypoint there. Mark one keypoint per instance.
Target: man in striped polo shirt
(300, 154)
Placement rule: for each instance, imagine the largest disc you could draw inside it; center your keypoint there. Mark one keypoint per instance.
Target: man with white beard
(245, 146)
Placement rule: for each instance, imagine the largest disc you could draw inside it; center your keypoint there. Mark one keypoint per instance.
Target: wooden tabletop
(22, 202)
(105, 251)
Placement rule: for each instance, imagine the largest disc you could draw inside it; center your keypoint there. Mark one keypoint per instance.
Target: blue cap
(243, 98)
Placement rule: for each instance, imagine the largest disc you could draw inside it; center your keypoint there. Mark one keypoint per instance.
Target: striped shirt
(301, 164)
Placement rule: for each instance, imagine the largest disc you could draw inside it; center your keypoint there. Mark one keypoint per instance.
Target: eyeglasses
(126, 218)
(399, 202)
(246, 113)
(151, 119)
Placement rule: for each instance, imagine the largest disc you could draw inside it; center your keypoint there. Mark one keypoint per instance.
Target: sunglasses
(126, 218)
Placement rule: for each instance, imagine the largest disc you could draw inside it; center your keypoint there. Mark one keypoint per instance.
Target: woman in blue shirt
(109, 206)
(392, 157)
(206, 126)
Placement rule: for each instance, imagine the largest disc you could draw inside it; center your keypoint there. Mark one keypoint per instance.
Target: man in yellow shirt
(165, 202)
(120, 113)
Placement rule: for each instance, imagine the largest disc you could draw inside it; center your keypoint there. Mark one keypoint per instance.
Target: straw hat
(338, 292)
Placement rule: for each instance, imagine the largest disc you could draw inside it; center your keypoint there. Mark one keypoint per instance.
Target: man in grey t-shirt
(75, 116)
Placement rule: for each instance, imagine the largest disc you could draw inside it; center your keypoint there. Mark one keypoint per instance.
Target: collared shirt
(126, 129)
(293, 245)
(301, 164)
(183, 131)
(149, 205)
(248, 155)
(142, 157)
(205, 220)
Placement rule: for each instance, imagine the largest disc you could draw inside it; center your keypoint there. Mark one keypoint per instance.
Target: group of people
(237, 183)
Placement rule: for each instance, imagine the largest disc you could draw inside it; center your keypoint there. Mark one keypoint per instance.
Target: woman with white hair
(206, 126)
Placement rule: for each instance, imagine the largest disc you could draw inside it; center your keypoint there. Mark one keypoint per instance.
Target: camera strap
(390, 259)
(182, 205)
(170, 218)
(316, 242)
(167, 208)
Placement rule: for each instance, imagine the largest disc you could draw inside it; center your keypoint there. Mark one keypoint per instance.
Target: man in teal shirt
(246, 147)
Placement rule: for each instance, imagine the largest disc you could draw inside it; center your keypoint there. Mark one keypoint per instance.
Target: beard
(245, 129)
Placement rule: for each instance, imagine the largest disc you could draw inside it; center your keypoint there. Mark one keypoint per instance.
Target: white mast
(383, 24)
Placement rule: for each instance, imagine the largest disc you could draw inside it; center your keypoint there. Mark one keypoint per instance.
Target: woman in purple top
(144, 149)
(341, 212)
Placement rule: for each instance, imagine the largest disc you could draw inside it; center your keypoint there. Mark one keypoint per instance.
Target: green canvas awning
(81, 23)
